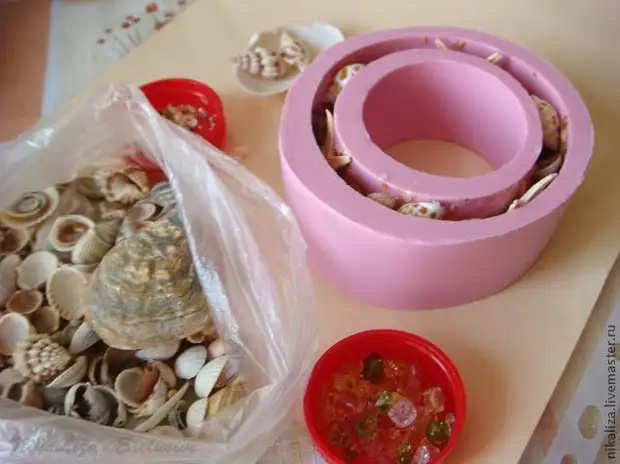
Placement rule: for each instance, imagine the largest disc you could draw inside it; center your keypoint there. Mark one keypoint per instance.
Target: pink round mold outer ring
(434, 94)
(392, 260)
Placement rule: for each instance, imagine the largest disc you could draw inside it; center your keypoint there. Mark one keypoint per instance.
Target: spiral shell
(262, 62)
(40, 359)
(14, 328)
(36, 269)
(31, 208)
(124, 185)
(25, 301)
(293, 51)
(13, 240)
(66, 288)
(67, 230)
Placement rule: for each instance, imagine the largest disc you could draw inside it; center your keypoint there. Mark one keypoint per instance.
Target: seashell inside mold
(84, 401)
(24, 302)
(328, 146)
(45, 320)
(71, 375)
(14, 328)
(124, 185)
(550, 120)
(36, 269)
(67, 230)
(341, 79)
(141, 282)
(162, 413)
(425, 209)
(189, 363)
(533, 192)
(66, 288)
(31, 208)
(8, 277)
(89, 249)
(13, 240)
(40, 359)
(383, 199)
(161, 352)
(25, 393)
(83, 338)
(226, 397)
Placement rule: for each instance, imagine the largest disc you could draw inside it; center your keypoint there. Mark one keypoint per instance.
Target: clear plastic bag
(249, 255)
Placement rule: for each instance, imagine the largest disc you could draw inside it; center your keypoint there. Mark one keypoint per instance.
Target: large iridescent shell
(145, 292)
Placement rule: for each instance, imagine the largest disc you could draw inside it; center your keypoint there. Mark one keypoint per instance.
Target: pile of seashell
(555, 138)
(87, 269)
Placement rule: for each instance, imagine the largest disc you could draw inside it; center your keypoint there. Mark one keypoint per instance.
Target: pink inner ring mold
(440, 95)
(389, 259)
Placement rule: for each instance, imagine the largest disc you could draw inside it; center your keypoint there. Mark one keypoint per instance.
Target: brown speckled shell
(145, 292)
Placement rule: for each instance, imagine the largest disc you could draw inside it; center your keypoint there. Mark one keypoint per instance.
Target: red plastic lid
(180, 91)
(434, 365)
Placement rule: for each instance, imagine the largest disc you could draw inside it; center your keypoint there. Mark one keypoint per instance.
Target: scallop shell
(108, 230)
(167, 431)
(86, 402)
(83, 338)
(25, 393)
(189, 363)
(141, 282)
(533, 191)
(72, 375)
(164, 411)
(197, 414)
(31, 208)
(293, 51)
(88, 187)
(225, 397)
(66, 288)
(89, 249)
(425, 209)
(210, 376)
(341, 79)
(118, 410)
(8, 277)
(109, 211)
(24, 301)
(67, 230)
(177, 417)
(45, 320)
(216, 349)
(40, 359)
(160, 352)
(13, 240)
(550, 120)
(383, 199)
(124, 185)
(36, 269)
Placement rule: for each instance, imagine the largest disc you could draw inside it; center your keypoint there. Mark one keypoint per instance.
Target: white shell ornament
(72, 375)
(425, 209)
(211, 376)
(14, 328)
(189, 363)
(294, 44)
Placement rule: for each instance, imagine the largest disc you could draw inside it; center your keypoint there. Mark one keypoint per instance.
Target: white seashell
(177, 417)
(54, 396)
(89, 249)
(108, 230)
(210, 376)
(36, 269)
(383, 199)
(189, 363)
(31, 208)
(164, 411)
(315, 38)
(86, 186)
(83, 338)
(155, 401)
(13, 240)
(294, 51)
(118, 410)
(130, 388)
(66, 289)
(216, 349)
(341, 79)
(24, 301)
(124, 185)
(261, 63)
(328, 147)
(550, 120)
(338, 161)
(8, 277)
(45, 320)
(40, 359)
(225, 397)
(425, 209)
(72, 375)
(159, 353)
(533, 192)
(167, 431)
(197, 414)
(25, 393)
(67, 230)
(94, 405)
(109, 211)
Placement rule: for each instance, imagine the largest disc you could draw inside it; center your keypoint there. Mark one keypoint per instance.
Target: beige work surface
(512, 348)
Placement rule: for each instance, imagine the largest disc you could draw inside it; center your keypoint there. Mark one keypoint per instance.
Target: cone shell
(85, 402)
(8, 277)
(31, 208)
(14, 328)
(89, 249)
(122, 185)
(427, 209)
(36, 269)
(72, 375)
(383, 199)
(210, 376)
(66, 288)
(550, 120)
(24, 301)
(161, 352)
(67, 230)
(45, 320)
(13, 240)
(225, 397)
(189, 363)
(40, 359)
(83, 338)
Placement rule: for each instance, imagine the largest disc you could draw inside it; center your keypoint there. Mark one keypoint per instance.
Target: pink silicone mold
(411, 90)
